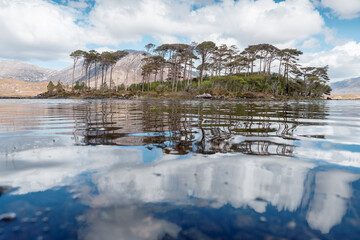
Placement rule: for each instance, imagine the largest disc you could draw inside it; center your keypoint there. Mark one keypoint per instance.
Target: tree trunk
(260, 66)
(96, 80)
(82, 71)
(105, 73)
(73, 76)
(143, 81)
(86, 72)
(184, 74)
(201, 75)
(111, 70)
(212, 71)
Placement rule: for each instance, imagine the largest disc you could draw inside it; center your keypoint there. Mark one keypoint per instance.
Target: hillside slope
(17, 88)
(349, 86)
(126, 71)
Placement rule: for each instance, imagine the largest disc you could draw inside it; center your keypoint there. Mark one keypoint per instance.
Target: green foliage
(79, 87)
(121, 87)
(233, 72)
(104, 87)
(206, 84)
(135, 87)
(161, 88)
(51, 87)
(59, 88)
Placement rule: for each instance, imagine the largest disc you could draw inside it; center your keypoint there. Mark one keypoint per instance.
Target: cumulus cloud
(345, 9)
(343, 60)
(44, 30)
(37, 30)
(311, 43)
(242, 22)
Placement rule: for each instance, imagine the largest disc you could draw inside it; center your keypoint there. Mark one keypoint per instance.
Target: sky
(45, 32)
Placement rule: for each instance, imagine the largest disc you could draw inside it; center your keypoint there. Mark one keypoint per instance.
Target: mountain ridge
(347, 86)
(126, 71)
(13, 69)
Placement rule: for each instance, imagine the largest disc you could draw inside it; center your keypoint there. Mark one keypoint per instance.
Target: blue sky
(44, 32)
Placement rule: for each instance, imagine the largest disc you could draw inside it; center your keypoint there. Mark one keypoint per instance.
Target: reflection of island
(231, 179)
(180, 128)
(255, 128)
(321, 195)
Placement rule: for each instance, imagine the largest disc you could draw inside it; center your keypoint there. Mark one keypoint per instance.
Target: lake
(114, 169)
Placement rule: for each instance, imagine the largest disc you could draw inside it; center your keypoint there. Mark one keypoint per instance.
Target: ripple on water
(179, 169)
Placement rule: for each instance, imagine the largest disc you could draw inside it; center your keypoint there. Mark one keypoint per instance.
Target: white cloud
(311, 43)
(37, 30)
(81, 4)
(244, 21)
(43, 30)
(345, 9)
(343, 60)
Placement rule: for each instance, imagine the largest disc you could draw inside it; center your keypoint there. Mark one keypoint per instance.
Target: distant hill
(127, 70)
(24, 71)
(18, 88)
(349, 86)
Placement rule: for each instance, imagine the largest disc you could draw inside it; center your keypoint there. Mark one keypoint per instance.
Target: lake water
(109, 169)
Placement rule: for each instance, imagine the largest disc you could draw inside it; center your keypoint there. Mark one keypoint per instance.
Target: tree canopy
(279, 69)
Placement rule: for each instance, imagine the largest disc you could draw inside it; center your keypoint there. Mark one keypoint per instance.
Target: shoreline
(172, 98)
(181, 96)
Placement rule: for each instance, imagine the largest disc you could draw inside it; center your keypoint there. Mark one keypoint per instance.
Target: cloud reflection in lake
(141, 167)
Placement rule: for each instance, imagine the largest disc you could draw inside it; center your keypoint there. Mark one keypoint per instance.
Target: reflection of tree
(205, 127)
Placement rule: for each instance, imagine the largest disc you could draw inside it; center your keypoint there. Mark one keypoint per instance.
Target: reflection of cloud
(348, 134)
(222, 179)
(42, 169)
(340, 157)
(242, 181)
(332, 192)
(125, 223)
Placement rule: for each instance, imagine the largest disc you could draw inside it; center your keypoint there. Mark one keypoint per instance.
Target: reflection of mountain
(230, 179)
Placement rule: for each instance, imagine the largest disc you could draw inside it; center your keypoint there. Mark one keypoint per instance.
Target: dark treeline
(259, 68)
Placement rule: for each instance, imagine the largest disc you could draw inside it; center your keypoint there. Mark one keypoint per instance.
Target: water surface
(108, 169)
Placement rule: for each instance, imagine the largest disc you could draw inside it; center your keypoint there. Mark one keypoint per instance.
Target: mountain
(126, 71)
(349, 86)
(24, 71)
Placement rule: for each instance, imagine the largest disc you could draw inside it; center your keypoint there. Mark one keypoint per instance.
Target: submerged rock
(7, 217)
